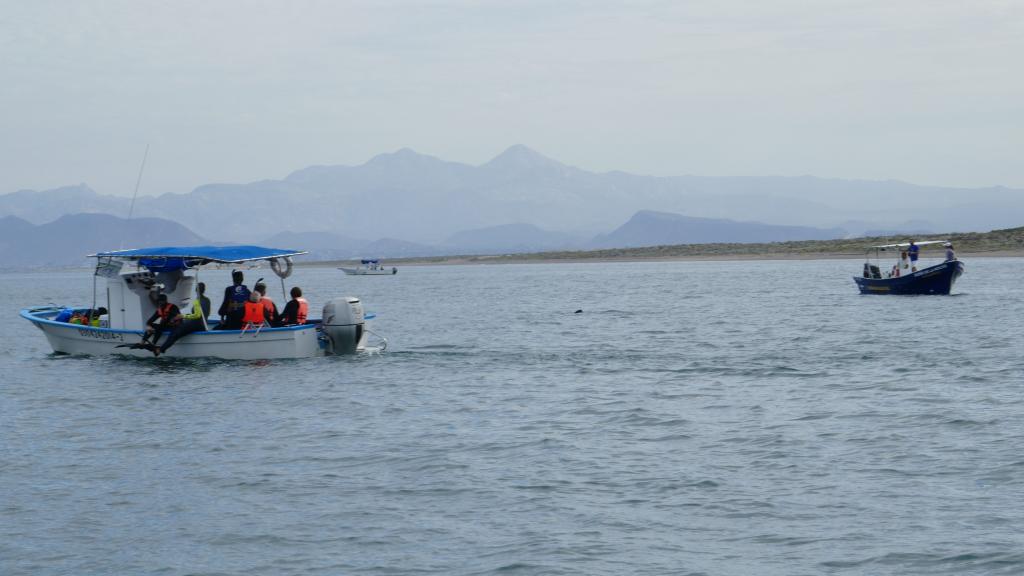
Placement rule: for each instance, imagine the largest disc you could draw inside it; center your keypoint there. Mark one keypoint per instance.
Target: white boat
(370, 267)
(133, 276)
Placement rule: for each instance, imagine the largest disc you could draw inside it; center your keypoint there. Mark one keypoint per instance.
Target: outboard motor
(343, 324)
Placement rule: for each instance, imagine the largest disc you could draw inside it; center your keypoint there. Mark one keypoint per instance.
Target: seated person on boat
(166, 317)
(269, 308)
(194, 321)
(232, 308)
(296, 310)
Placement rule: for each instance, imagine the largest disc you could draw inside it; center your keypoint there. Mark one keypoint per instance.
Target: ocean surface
(696, 418)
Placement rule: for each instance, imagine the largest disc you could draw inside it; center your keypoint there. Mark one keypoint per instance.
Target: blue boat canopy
(370, 261)
(168, 258)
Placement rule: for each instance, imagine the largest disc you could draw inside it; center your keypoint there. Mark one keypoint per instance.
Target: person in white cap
(950, 255)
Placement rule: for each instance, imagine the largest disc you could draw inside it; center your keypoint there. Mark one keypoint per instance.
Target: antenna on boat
(138, 181)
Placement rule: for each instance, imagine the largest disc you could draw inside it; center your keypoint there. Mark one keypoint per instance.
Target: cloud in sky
(928, 91)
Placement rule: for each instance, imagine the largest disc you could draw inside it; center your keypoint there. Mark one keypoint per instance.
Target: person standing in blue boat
(232, 308)
(913, 251)
(950, 255)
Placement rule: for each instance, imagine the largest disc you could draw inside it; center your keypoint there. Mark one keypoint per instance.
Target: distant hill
(426, 200)
(509, 238)
(1005, 242)
(48, 205)
(331, 246)
(320, 245)
(70, 239)
(649, 228)
(394, 248)
(12, 227)
(314, 241)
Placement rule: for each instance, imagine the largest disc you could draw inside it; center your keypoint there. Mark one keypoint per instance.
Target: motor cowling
(343, 323)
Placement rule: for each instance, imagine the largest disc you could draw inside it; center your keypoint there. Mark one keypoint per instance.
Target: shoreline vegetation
(1007, 243)
(997, 243)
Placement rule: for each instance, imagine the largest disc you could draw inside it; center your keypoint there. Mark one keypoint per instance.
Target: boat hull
(365, 272)
(938, 279)
(269, 343)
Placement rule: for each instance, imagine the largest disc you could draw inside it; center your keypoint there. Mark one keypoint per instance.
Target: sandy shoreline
(485, 260)
(500, 260)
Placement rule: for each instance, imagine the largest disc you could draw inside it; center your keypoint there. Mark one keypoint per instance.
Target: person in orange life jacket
(269, 308)
(166, 317)
(253, 315)
(295, 311)
(194, 321)
(232, 308)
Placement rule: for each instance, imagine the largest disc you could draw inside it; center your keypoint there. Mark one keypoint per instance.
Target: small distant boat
(370, 267)
(935, 279)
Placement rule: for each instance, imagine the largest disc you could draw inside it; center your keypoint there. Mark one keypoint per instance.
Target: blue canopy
(166, 258)
(372, 261)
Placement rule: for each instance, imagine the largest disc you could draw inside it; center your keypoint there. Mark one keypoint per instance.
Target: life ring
(275, 265)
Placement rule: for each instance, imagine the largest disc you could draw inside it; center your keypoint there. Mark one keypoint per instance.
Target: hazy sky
(928, 91)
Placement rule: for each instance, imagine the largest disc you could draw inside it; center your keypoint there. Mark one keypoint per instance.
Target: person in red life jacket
(233, 306)
(269, 308)
(166, 317)
(252, 316)
(194, 321)
(296, 310)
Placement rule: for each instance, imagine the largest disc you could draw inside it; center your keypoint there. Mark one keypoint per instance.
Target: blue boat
(901, 279)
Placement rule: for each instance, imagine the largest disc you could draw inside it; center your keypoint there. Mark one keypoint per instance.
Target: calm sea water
(696, 418)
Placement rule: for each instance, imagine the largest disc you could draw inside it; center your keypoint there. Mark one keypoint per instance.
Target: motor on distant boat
(343, 324)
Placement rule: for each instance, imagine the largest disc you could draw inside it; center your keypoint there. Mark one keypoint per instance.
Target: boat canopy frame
(905, 245)
(897, 248)
(180, 258)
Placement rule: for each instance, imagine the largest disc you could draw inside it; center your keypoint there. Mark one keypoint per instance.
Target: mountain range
(68, 240)
(649, 228)
(411, 204)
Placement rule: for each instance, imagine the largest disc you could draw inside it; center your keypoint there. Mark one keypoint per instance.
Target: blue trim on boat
(30, 315)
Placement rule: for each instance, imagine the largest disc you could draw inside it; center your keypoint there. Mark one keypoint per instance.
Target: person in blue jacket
(232, 308)
(913, 251)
